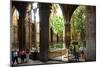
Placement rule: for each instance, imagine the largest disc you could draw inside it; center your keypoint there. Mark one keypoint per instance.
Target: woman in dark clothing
(76, 52)
(22, 55)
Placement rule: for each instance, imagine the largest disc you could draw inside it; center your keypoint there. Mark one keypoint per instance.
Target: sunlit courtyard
(49, 33)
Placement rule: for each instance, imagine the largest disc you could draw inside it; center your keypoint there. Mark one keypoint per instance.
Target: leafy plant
(78, 19)
(57, 24)
(78, 22)
(56, 21)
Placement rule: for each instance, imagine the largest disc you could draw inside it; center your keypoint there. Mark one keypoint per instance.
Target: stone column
(44, 12)
(32, 38)
(91, 33)
(27, 35)
(28, 21)
(21, 29)
(66, 14)
(67, 35)
(57, 35)
(14, 27)
(21, 7)
(51, 35)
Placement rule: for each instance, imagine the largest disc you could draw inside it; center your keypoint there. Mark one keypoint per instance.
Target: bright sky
(37, 15)
(59, 12)
(37, 12)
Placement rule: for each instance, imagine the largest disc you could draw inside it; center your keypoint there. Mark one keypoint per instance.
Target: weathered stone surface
(91, 33)
(44, 13)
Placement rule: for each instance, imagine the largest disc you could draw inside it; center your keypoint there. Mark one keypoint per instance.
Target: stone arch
(90, 38)
(81, 34)
(67, 11)
(90, 23)
(44, 25)
(14, 27)
(21, 7)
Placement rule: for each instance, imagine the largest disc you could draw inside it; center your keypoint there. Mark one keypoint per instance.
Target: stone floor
(56, 60)
(60, 56)
(37, 62)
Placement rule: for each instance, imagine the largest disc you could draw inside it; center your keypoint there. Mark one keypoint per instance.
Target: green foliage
(56, 21)
(54, 8)
(57, 24)
(57, 45)
(78, 19)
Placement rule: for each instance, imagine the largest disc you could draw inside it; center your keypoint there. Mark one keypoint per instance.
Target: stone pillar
(91, 33)
(37, 35)
(32, 38)
(44, 12)
(27, 35)
(21, 29)
(67, 35)
(14, 27)
(34, 33)
(51, 34)
(66, 13)
(57, 35)
(22, 8)
(28, 21)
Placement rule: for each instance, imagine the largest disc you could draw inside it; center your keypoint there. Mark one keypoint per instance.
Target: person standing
(27, 55)
(14, 57)
(22, 55)
(76, 52)
(81, 52)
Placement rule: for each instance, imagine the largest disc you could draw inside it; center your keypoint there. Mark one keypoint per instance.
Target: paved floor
(71, 58)
(57, 60)
(57, 57)
(37, 62)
